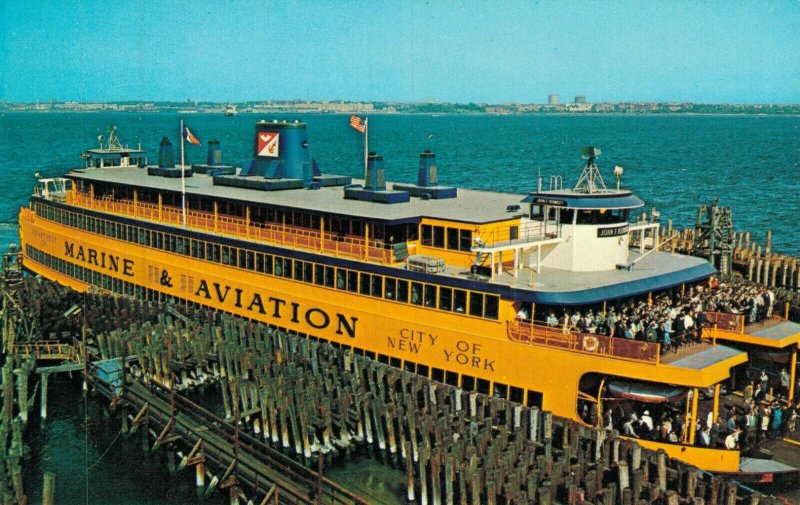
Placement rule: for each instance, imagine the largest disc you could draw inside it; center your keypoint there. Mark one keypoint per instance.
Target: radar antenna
(113, 142)
(590, 180)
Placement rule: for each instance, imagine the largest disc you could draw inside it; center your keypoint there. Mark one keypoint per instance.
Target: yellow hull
(415, 338)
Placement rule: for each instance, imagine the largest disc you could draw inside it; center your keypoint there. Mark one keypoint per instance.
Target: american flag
(358, 123)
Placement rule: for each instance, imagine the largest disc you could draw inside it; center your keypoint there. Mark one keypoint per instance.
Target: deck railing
(530, 231)
(283, 235)
(587, 343)
(726, 321)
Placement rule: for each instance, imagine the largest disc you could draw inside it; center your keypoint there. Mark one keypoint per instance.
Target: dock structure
(299, 400)
(714, 238)
(293, 403)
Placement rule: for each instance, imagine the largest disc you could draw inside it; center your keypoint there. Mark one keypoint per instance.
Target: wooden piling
(49, 488)
(43, 397)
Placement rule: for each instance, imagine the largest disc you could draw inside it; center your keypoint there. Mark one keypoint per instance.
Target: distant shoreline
(580, 107)
(415, 113)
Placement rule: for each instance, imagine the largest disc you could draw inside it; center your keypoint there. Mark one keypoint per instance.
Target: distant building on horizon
(552, 99)
(580, 98)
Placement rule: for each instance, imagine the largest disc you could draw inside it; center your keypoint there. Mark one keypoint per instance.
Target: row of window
(464, 381)
(398, 290)
(91, 277)
(455, 239)
(585, 216)
(258, 213)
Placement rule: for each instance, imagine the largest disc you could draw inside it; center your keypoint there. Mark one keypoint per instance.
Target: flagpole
(183, 182)
(366, 149)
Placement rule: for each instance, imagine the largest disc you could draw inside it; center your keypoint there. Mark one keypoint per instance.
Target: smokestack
(214, 153)
(427, 170)
(375, 180)
(165, 158)
(281, 151)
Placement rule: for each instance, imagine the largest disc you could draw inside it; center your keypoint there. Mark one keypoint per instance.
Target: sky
(449, 51)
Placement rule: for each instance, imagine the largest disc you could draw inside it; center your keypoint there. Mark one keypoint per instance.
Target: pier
(293, 405)
(732, 252)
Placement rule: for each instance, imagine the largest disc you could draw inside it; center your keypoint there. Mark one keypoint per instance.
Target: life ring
(590, 343)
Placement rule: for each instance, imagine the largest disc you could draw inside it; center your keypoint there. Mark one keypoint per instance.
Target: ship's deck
(470, 206)
(651, 271)
(771, 333)
(700, 356)
(655, 271)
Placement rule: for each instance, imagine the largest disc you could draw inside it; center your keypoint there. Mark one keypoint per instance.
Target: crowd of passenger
(736, 428)
(673, 320)
(749, 426)
(670, 320)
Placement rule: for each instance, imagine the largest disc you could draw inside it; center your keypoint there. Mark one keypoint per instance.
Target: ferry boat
(231, 110)
(445, 282)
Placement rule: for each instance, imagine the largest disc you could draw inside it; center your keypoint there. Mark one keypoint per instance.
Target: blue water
(674, 163)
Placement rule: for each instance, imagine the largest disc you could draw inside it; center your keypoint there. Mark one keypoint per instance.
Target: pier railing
(46, 350)
(273, 233)
(257, 466)
(587, 343)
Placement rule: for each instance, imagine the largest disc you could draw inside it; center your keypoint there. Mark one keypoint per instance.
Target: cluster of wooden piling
(306, 398)
(753, 261)
(35, 310)
(17, 374)
(765, 267)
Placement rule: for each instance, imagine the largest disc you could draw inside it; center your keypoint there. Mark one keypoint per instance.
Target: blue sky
(715, 52)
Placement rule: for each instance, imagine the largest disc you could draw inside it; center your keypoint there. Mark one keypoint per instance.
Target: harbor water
(674, 163)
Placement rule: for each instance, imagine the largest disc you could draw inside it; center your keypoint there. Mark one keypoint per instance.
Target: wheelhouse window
(603, 216)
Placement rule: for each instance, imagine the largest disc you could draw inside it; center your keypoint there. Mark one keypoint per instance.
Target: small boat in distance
(230, 110)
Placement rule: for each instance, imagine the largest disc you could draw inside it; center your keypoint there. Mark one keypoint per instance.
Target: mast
(366, 147)
(183, 182)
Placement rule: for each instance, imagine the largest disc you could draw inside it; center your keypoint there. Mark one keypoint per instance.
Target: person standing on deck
(628, 430)
(732, 440)
(651, 334)
(785, 380)
(764, 424)
(751, 423)
(705, 437)
(764, 378)
(770, 302)
(666, 328)
(753, 312)
(699, 322)
(647, 420)
(776, 422)
(688, 325)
